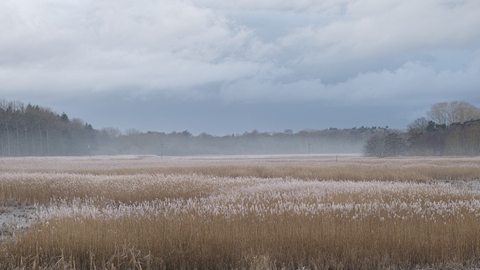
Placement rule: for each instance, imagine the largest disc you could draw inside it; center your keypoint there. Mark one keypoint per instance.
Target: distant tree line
(30, 130)
(36, 131)
(451, 129)
(113, 142)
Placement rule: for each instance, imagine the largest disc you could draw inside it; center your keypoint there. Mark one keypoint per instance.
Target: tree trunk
(48, 145)
(8, 140)
(18, 142)
(41, 143)
(33, 145)
(26, 140)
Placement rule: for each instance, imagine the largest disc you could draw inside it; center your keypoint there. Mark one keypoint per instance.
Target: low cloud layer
(341, 53)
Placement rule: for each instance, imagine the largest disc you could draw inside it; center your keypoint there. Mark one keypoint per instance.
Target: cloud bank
(343, 53)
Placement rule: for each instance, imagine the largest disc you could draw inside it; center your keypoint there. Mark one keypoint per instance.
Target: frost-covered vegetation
(285, 212)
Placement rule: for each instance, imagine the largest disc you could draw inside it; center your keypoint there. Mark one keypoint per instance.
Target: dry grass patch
(314, 168)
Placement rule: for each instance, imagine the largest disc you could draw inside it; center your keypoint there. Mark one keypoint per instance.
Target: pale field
(249, 212)
(315, 167)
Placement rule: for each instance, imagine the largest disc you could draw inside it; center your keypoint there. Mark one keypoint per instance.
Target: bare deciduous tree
(418, 126)
(438, 113)
(111, 132)
(462, 112)
(18, 107)
(6, 110)
(376, 146)
(453, 112)
(395, 144)
(132, 131)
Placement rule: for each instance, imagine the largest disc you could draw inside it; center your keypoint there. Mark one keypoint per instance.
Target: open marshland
(281, 212)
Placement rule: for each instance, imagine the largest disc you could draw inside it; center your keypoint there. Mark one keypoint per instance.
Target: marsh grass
(282, 241)
(353, 172)
(321, 168)
(205, 216)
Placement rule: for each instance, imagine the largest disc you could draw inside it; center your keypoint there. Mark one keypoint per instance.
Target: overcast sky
(226, 66)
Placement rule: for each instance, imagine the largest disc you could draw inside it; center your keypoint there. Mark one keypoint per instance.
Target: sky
(226, 66)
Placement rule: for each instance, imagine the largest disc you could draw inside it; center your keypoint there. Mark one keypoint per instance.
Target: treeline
(112, 142)
(452, 129)
(27, 130)
(31, 130)
(457, 139)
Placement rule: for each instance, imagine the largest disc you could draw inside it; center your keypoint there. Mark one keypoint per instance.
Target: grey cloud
(173, 46)
(408, 84)
(392, 27)
(156, 46)
(340, 53)
(326, 6)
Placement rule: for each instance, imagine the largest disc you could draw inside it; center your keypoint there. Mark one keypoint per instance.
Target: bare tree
(453, 112)
(438, 113)
(132, 131)
(18, 107)
(30, 122)
(418, 126)
(395, 144)
(23, 120)
(376, 146)
(111, 132)
(38, 122)
(6, 109)
(461, 112)
(48, 120)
